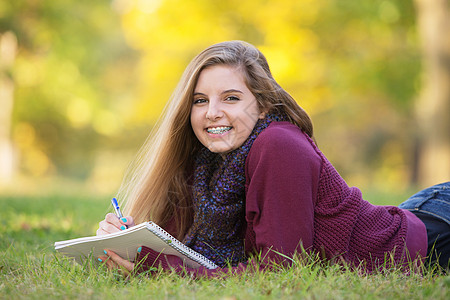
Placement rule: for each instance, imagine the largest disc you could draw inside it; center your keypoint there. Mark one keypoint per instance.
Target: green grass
(30, 268)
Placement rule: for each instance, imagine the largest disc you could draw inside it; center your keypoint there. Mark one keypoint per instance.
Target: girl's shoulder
(285, 135)
(285, 140)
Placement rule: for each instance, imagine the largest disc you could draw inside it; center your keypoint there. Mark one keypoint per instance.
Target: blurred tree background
(82, 82)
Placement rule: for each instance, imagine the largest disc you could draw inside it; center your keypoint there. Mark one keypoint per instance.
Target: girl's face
(224, 111)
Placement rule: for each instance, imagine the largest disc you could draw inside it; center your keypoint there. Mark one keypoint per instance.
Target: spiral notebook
(126, 242)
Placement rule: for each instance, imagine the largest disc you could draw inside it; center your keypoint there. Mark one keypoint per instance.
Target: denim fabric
(432, 207)
(438, 233)
(433, 201)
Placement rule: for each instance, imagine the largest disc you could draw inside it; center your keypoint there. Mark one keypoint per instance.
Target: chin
(219, 149)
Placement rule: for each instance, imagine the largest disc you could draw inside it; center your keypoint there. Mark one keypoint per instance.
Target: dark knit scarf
(219, 201)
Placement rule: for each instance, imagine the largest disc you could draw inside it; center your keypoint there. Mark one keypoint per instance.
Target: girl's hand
(114, 261)
(112, 223)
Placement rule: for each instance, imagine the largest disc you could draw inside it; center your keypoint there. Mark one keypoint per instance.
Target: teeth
(218, 130)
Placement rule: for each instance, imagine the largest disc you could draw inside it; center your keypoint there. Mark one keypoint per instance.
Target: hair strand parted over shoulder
(156, 186)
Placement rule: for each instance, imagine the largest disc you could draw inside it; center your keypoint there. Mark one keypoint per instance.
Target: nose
(214, 112)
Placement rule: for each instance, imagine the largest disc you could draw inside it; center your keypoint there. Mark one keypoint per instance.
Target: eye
(200, 100)
(232, 98)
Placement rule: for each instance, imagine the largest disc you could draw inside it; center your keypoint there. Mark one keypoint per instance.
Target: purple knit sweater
(295, 198)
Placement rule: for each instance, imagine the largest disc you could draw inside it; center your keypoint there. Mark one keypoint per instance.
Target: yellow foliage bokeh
(345, 63)
(169, 33)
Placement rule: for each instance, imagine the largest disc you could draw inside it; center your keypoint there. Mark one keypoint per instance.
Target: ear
(263, 113)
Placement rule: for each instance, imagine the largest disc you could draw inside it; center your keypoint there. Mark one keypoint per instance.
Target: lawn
(30, 268)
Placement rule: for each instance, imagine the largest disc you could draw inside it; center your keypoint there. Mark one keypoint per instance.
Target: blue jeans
(432, 206)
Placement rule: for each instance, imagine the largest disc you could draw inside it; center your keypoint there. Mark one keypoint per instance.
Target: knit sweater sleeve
(283, 172)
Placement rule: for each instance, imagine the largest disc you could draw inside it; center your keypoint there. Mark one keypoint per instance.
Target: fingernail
(100, 260)
(104, 251)
(124, 220)
(139, 249)
(123, 227)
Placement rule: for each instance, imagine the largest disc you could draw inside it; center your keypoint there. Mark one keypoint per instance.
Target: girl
(232, 170)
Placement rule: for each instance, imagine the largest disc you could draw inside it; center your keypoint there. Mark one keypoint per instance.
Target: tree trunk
(8, 49)
(433, 105)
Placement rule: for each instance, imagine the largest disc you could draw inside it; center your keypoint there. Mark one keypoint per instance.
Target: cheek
(194, 118)
(196, 123)
(252, 118)
(245, 127)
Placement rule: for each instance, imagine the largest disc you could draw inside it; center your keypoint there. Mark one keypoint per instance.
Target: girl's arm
(283, 171)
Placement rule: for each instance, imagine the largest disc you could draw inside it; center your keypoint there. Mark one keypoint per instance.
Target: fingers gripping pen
(115, 204)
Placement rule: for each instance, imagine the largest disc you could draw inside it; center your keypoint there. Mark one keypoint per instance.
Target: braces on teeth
(218, 130)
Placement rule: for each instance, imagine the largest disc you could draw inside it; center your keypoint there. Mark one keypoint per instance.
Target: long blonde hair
(156, 187)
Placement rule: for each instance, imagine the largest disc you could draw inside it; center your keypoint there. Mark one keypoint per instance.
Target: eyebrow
(232, 91)
(224, 92)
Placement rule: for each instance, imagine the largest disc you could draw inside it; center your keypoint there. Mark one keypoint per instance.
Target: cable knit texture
(348, 226)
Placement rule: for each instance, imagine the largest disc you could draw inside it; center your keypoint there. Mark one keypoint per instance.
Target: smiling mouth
(218, 130)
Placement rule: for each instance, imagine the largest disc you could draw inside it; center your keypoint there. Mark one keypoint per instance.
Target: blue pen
(117, 209)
